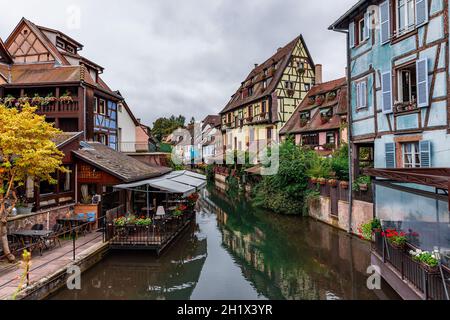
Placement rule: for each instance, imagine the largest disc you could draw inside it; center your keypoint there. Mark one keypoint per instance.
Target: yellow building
(268, 97)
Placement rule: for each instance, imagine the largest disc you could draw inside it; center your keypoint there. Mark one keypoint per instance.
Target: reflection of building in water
(141, 276)
(286, 258)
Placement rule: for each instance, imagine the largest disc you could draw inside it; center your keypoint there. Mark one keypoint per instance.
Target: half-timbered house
(268, 97)
(320, 120)
(48, 71)
(398, 52)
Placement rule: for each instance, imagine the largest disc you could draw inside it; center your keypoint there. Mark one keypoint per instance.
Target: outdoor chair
(91, 218)
(37, 227)
(53, 239)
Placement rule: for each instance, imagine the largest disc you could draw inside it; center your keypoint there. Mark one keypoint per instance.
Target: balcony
(59, 107)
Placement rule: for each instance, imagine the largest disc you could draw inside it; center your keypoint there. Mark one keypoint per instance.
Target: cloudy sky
(186, 56)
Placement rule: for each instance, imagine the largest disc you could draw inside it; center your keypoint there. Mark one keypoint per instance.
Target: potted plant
(24, 100)
(320, 99)
(362, 183)
(368, 230)
(66, 98)
(395, 238)
(314, 180)
(120, 222)
(429, 261)
(49, 99)
(23, 208)
(333, 183)
(143, 222)
(192, 200)
(37, 100)
(10, 101)
(322, 181)
(344, 184)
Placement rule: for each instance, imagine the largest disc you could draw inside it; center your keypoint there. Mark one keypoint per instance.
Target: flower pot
(429, 269)
(333, 183)
(344, 184)
(314, 180)
(322, 181)
(363, 187)
(24, 210)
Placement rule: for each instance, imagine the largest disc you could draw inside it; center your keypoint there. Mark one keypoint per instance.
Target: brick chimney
(318, 73)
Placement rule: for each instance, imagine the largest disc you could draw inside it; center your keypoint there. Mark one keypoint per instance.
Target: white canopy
(179, 182)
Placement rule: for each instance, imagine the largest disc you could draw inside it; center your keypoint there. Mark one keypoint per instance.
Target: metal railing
(433, 284)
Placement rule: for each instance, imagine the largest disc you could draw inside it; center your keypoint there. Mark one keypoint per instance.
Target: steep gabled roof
(61, 35)
(212, 120)
(41, 37)
(281, 60)
(293, 125)
(43, 73)
(5, 57)
(117, 164)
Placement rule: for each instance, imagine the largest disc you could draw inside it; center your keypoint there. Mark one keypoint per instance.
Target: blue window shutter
(422, 83)
(425, 154)
(358, 95)
(385, 26)
(386, 84)
(367, 26)
(390, 155)
(421, 12)
(351, 30)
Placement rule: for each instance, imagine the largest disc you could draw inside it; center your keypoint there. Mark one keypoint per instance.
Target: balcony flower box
(333, 183)
(322, 181)
(37, 100)
(428, 261)
(344, 184)
(66, 99)
(320, 99)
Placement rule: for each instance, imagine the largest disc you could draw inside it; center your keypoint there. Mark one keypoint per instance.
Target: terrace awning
(184, 183)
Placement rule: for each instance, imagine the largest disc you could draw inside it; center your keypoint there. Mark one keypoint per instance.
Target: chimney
(139, 120)
(256, 65)
(318, 73)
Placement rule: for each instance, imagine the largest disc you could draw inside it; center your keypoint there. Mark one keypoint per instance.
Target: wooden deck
(43, 266)
(152, 238)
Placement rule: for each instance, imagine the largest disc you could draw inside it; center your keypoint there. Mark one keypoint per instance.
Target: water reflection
(234, 251)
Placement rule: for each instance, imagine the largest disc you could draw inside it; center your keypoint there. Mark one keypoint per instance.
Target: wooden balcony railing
(59, 107)
(434, 285)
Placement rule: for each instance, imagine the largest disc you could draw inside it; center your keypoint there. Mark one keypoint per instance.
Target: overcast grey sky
(187, 56)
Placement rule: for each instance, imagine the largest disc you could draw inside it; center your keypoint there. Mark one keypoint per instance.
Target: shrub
(340, 163)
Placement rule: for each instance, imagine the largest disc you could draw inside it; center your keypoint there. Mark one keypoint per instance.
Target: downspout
(349, 131)
(84, 110)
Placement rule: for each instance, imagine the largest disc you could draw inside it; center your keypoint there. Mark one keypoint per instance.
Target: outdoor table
(37, 237)
(72, 223)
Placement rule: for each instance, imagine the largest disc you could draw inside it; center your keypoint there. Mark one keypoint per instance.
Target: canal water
(234, 251)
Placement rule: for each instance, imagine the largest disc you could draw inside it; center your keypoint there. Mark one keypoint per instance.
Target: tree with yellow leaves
(26, 150)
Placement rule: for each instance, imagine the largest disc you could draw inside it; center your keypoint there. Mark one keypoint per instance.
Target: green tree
(162, 127)
(26, 150)
(285, 191)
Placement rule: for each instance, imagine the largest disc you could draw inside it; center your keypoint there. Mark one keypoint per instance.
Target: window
(361, 30)
(263, 107)
(331, 139)
(406, 15)
(250, 91)
(307, 87)
(60, 44)
(407, 84)
(102, 106)
(361, 94)
(264, 84)
(266, 71)
(95, 105)
(310, 139)
(70, 49)
(305, 116)
(289, 85)
(102, 139)
(411, 155)
(326, 112)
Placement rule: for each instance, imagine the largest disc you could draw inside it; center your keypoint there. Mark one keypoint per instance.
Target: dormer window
(60, 44)
(70, 49)
(289, 85)
(250, 91)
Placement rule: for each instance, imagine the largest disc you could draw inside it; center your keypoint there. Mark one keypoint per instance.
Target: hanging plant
(66, 98)
(10, 101)
(37, 100)
(24, 100)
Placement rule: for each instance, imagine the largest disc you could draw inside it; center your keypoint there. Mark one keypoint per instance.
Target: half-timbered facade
(268, 97)
(47, 71)
(398, 52)
(320, 120)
